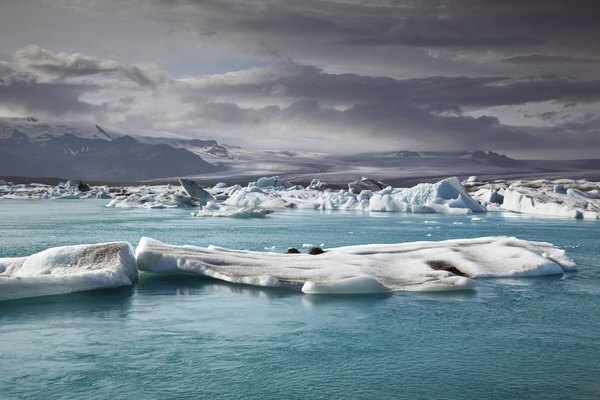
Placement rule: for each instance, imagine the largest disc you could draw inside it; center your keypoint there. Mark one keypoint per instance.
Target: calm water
(186, 337)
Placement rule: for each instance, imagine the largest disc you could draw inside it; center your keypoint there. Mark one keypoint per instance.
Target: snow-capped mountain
(32, 148)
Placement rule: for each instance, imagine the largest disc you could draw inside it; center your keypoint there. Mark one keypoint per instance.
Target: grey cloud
(384, 124)
(48, 98)
(64, 66)
(22, 91)
(136, 75)
(548, 59)
(307, 82)
(432, 23)
(467, 55)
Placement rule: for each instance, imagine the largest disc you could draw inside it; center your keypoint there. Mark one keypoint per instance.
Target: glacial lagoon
(179, 336)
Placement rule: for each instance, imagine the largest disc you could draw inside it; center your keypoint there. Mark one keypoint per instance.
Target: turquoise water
(187, 337)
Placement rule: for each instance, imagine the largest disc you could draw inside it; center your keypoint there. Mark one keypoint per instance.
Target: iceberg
(365, 184)
(419, 266)
(447, 196)
(573, 203)
(196, 192)
(272, 182)
(68, 269)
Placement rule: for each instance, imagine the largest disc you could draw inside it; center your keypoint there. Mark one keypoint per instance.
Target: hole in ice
(445, 266)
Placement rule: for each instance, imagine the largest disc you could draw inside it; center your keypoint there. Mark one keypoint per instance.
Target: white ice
(68, 269)
(418, 266)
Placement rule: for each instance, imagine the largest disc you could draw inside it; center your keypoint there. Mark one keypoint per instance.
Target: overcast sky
(518, 77)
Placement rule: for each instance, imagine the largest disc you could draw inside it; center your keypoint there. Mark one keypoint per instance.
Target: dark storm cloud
(308, 82)
(343, 69)
(432, 23)
(22, 92)
(405, 124)
(486, 23)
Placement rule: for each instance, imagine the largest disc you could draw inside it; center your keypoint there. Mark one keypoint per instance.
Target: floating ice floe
(213, 210)
(68, 269)
(420, 266)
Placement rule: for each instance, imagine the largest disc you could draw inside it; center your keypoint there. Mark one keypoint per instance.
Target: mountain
(34, 148)
(204, 147)
(91, 154)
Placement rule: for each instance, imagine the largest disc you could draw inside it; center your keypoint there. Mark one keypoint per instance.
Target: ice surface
(68, 269)
(418, 266)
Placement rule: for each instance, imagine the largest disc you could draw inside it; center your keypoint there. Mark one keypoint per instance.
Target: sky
(339, 76)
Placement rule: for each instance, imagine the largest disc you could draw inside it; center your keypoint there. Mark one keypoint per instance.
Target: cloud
(308, 82)
(374, 74)
(64, 66)
(546, 59)
(23, 92)
(48, 83)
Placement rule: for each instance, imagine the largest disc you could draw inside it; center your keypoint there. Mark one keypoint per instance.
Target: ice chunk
(418, 266)
(196, 192)
(68, 269)
(365, 184)
(272, 182)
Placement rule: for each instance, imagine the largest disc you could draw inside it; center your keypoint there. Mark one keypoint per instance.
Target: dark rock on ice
(315, 251)
(83, 187)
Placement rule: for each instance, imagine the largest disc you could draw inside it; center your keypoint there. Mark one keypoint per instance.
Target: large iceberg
(68, 269)
(570, 203)
(418, 266)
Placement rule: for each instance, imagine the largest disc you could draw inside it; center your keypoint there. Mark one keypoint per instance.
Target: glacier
(419, 266)
(68, 269)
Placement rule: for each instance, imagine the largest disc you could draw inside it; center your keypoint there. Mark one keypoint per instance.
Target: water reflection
(116, 302)
(195, 285)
